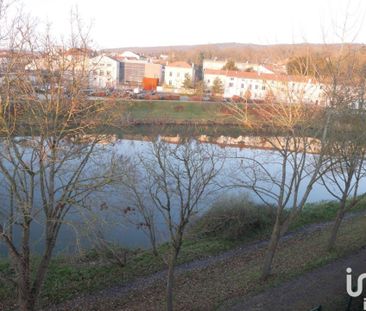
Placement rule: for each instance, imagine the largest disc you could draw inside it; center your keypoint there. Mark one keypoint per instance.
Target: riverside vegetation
(229, 223)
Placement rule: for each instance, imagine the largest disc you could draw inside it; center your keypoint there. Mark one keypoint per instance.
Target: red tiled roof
(259, 76)
(179, 65)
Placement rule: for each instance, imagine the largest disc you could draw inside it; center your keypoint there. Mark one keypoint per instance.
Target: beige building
(176, 73)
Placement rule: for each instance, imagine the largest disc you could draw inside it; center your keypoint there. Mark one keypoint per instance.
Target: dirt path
(145, 282)
(325, 284)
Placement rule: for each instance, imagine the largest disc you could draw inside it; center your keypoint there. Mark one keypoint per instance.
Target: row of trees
(200, 86)
(48, 138)
(308, 146)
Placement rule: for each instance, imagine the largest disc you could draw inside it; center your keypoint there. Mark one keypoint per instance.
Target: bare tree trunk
(26, 303)
(271, 250)
(170, 281)
(25, 297)
(337, 224)
(155, 250)
(153, 242)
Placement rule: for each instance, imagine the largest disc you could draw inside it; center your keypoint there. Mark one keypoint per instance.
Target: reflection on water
(105, 216)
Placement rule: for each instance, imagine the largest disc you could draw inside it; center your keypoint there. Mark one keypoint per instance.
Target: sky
(130, 23)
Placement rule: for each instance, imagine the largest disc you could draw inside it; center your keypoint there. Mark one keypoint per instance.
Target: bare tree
(48, 138)
(344, 175)
(138, 208)
(296, 132)
(176, 179)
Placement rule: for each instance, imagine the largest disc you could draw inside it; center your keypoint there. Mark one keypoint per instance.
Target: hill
(238, 51)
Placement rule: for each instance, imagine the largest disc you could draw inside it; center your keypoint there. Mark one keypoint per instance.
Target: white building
(175, 74)
(105, 72)
(258, 86)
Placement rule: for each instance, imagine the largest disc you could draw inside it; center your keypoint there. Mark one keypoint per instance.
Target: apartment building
(259, 86)
(105, 72)
(175, 74)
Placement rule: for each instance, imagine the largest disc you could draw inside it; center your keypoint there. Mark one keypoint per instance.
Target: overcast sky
(122, 23)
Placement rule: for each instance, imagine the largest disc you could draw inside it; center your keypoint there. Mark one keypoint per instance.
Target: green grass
(174, 111)
(71, 276)
(322, 212)
(223, 284)
(239, 219)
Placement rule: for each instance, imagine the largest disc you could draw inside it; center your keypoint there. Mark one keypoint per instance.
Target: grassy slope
(219, 285)
(69, 277)
(144, 111)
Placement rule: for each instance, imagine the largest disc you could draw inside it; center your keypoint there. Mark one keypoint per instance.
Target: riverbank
(300, 252)
(174, 112)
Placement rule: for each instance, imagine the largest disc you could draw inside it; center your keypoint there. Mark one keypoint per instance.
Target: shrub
(234, 218)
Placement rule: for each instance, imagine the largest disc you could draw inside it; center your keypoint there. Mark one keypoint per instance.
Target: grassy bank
(147, 112)
(69, 277)
(223, 284)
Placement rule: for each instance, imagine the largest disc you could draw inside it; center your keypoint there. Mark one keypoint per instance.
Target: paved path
(320, 285)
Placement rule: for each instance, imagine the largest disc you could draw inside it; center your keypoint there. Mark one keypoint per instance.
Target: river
(106, 217)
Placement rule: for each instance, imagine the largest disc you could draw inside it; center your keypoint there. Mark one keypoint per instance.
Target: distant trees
(301, 65)
(230, 65)
(200, 88)
(187, 83)
(217, 86)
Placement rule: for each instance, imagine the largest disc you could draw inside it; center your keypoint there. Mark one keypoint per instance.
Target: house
(176, 73)
(105, 72)
(261, 86)
(112, 72)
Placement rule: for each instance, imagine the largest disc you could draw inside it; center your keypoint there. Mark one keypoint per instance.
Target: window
(170, 82)
(263, 88)
(256, 87)
(249, 87)
(101, 73)
(231, 84)
(109, 65)
(242, 85)
(170, 74)
(208, 81)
